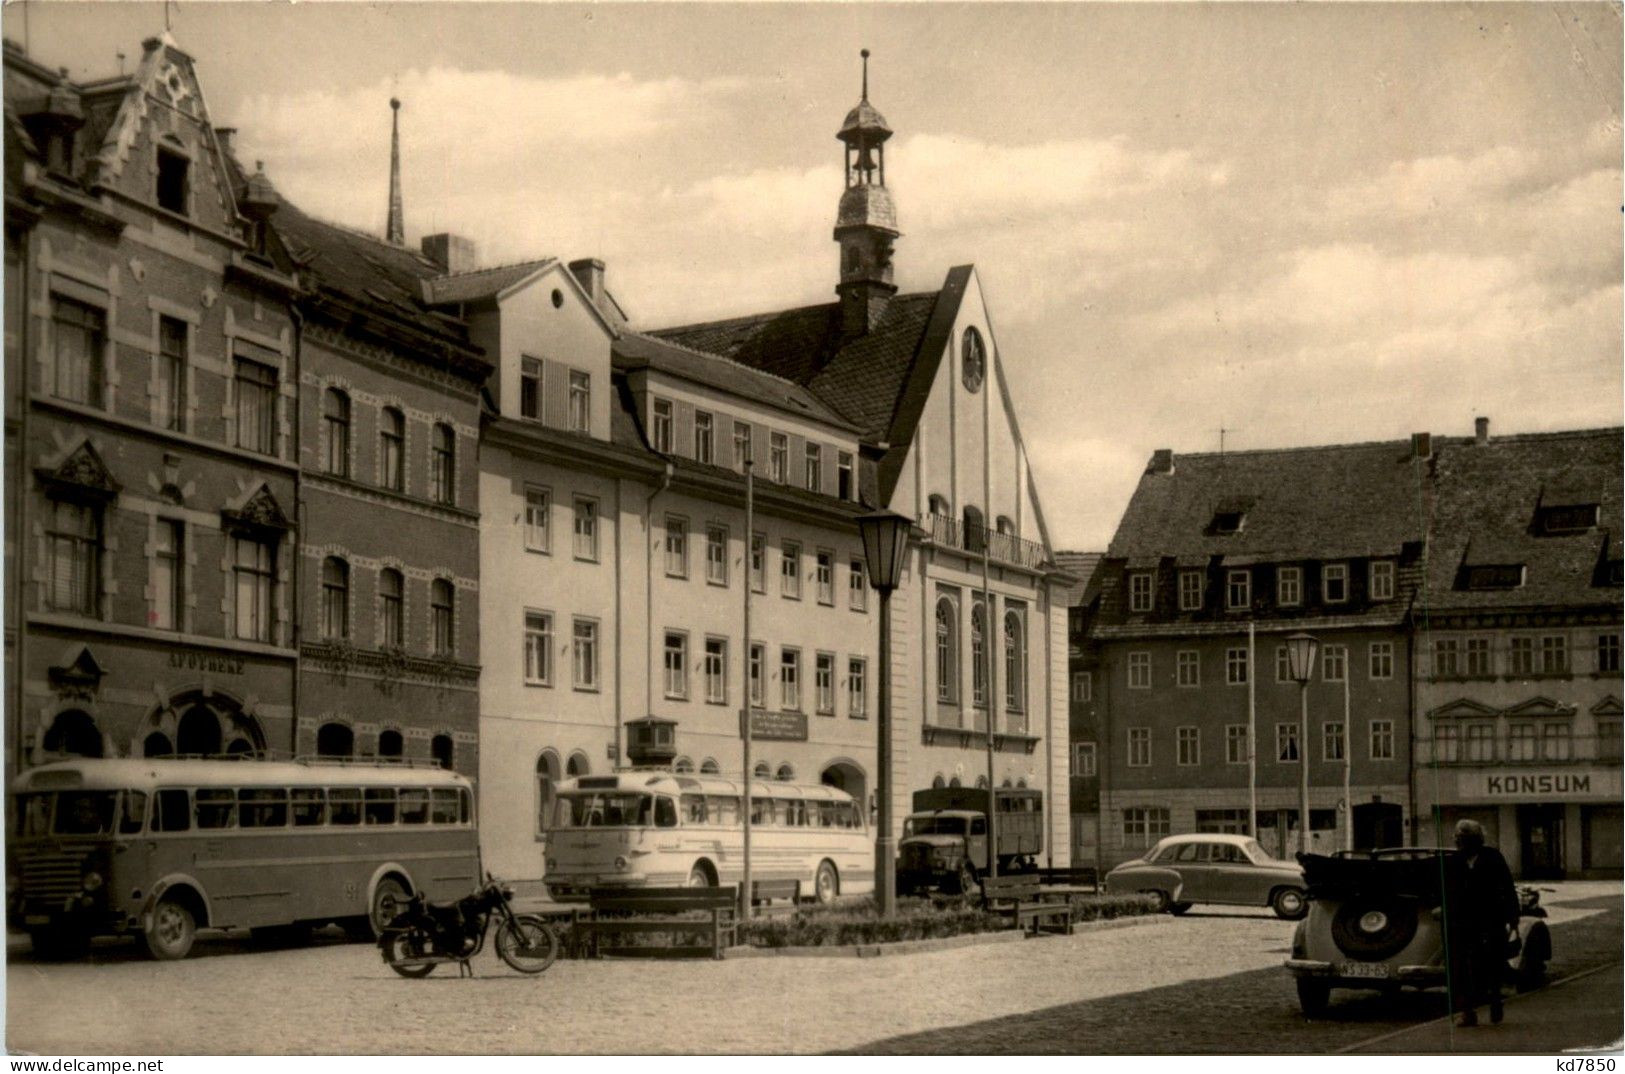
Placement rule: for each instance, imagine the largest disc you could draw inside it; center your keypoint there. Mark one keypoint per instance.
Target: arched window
(975, 529)
(978, 654)
(785, 773)
(1006, 782)
(392, 449)
(954, 782)
(440, 748)
(441, 617)
(157, 744)
(578, 765)
(391, 608)
(335, 598)
(198, 732)
(547, 776)
(709, 767)
(947, 653)
(443, 465)
(762, 770)
(939, 505)
(390, 744)
(1022, 783)
(981, 783)
(1015, 662)
(73, 732)
(1004, 525)
(336, 424)
(334, 740)
(682, 766)
(937, 782)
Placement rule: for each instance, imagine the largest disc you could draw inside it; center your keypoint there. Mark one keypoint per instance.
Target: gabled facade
(151, 430)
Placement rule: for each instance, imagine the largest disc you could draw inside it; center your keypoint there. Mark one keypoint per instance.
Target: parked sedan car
(1231, 869)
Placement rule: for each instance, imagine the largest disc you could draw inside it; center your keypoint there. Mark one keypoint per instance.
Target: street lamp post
(885, 548)
(1300, 655)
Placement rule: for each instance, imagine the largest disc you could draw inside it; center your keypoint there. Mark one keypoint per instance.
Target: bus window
(444, 807)
(344, 805)
(134, 814)
(762, 812)
(849, 815)
(309, 807)
(795, 813)
(216, 808)
(978, 825)
(172, 811)
(414, 805)
(724, 810)
(826, 814)
(380, 805)
(34, 814)
(86, 813)
(694, 809)
(665, 812)
(262, 807)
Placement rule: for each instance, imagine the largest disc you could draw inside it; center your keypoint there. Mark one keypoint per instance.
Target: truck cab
(945, 838)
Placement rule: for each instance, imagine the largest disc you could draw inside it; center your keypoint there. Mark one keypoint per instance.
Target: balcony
(949, 532)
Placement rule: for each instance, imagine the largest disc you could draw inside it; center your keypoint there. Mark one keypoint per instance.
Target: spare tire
(1374, 927)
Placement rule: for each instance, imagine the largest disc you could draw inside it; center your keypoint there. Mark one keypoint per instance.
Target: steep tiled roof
(861, 377)
(634, 351)
(1487, 498)
(480, 283)
(1081, 565)
(1346, 500)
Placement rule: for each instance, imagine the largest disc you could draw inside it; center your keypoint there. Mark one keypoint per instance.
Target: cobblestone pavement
(1205, 982)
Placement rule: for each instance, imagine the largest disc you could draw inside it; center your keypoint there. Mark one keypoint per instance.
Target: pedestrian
(1481, 910)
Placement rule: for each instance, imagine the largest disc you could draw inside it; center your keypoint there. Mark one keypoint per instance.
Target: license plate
(1362, 969)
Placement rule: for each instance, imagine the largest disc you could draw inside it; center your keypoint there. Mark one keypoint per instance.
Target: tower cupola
(866, 222)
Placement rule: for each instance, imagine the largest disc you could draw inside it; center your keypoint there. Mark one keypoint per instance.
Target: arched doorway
(577, 765)
(73, 732)
(847, 776)
(157, 744)
(440, 748)
(390, 744)
(335, 740)
(198, 732)
(547, 778)
(196, 723)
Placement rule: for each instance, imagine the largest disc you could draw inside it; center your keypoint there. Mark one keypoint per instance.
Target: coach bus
(162, 848)
(659, 829)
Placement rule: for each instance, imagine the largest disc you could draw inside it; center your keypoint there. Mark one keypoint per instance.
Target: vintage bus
(659, 829)
(162, 848)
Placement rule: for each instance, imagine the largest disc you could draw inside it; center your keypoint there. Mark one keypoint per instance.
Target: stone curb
(914, 947)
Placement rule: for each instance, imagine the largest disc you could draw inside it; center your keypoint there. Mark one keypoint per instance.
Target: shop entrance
(1540, 837)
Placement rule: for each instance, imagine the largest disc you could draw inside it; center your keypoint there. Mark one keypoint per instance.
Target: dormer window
(1334, 583)
(660, 426)
(1493, 576)
(530, 387)
(172, 181)
(1227, 521)
(1139, 591)
(1567, 518)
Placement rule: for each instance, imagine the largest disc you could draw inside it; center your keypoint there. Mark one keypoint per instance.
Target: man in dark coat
(1481, 910)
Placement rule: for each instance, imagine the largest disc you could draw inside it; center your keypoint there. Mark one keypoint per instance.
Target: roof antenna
(865, 55)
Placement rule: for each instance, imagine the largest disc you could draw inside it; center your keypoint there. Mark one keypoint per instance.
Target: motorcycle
(425, 934)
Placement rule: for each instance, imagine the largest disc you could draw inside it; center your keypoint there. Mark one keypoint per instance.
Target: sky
(1299, 224)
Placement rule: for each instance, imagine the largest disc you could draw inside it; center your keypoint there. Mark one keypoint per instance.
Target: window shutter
(555, 394)
(683, 429)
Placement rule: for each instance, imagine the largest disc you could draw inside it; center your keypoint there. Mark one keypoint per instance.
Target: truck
(945, 845)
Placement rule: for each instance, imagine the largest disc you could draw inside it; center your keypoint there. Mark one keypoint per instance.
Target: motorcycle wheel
(527, 943)
(399, 955)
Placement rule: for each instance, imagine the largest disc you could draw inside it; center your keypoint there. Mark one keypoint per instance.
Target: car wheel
(1313, 996)
(1373, 928)
(1289, 904)
(1160, 902)
(1179, 907)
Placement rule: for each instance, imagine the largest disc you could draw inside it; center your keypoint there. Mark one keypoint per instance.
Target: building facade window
(79, 343)
(676, 547)
(256, 385)
(716, 671)
(758, 562)
(1382, 740)
(1283, 665)
(857, 587)
(584, 653)
(824, 575)
(1139, 747)
(1334, 662)
(171, 182)
(815, 468)
(1082, 686)
(857, 688)
(1609, 744)
(742, 451)
(586, 529)
(1286, 742)
(846, 486)
(716, 555)
(335, 599)
(443, 464)
(1015, 661)
(1334, 583)
(538, 649)
(580, 402)
(1608, 653)
(391, 608)
(1446, 743)
(1235, 666)
(790, 570)
(1235, 743)
(1331, 741)
(442, 617)
(758, 667)
(169, 574)
(253, 587)
(1190, 591)
(1380, 579)
(1238, 589)
(778, 457)
(1144, 825)
(336, 426)
(1479, 661)
(1289, 586)
(1554, 654)
(1084, 764)
(538, 532)
(171, 401)
(660, 426)
(790, 679)
(1480, 742)
(1382, 660)
(392, 449)
(1556, 741)
(74, 540)
(1188, 743)
(1521, 742)
(1139, 591)
(1446, 658)
(530, 388)
(704, 437)
(947, 652)
(824, 683)
(676, 665)
(1139, 671)
(1521, 655)
(1188, 668)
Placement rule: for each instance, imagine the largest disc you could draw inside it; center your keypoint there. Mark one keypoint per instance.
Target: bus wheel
(700, 876)
(388, 899)
(826, 885)
(172, 931)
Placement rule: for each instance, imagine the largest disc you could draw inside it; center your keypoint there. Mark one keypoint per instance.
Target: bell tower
(866, 225)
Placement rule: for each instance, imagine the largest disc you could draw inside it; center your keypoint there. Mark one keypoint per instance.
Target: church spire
(866, 224)
(396, 230)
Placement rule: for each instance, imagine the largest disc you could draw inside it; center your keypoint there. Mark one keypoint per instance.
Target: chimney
(589, 273)
(1162, 461)
(1481, 426)
(1422, 445)
(453, 253)
(227, 137)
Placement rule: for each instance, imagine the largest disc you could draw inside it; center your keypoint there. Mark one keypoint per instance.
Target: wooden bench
(682, 913)
(1080, 876)
(764, 893)
(1020, 898)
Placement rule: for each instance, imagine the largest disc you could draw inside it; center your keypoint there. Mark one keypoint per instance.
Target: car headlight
(92, 880)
